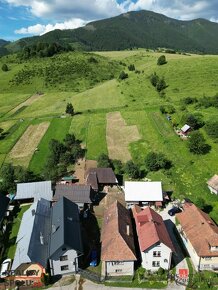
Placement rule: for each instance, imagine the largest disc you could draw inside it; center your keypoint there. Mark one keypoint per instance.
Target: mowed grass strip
(14, 134)
(91, 130)
(103, 96)
(10, 100)
(57, 130)
(24, 149)
(119, 136)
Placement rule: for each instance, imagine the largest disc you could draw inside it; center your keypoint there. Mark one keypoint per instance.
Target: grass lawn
(57, 130)
(91, 130)
(14, 133)
(13, 235)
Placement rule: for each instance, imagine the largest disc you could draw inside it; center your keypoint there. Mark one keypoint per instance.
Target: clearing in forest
(119, 136)
(23, 150)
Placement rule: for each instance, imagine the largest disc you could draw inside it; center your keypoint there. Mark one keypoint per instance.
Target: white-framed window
(207, 258)
(64, 258)
(156, 253)
(155, 263)
(64, 268)
(118, 270)
(117, 263)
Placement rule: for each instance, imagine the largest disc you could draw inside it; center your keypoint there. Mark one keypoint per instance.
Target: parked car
(174, 210)
(94, 260)
(5, 267)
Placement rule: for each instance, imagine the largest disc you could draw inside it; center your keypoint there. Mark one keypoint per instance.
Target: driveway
(169, 221)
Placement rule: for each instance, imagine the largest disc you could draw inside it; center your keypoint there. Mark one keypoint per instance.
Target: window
(64, 268)
(64, 258)
(64, 249)
(117, 263)
(207, 258)
(156, 254)
(155, 264)
(118, 270)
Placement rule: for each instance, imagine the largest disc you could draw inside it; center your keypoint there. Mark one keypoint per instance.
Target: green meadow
(96, 91)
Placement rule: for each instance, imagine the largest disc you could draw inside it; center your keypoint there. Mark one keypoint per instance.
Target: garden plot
(119, 136)
(24, 149)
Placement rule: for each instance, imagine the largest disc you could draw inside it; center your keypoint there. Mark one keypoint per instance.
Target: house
(80, 194)
(185, 129)
(32, 243)
(200, 236)
(117, 250)
(97, 178)
(33, 191)
(155, 244)
(4, 202)
(66, 241)
(143, 193)
(213, 184)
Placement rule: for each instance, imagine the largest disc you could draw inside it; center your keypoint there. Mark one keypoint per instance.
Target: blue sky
(21, 18)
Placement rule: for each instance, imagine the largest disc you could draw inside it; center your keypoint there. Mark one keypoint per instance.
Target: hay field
(119, 136)
(24, 149)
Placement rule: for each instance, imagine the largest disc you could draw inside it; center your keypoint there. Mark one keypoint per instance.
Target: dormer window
(214, 248)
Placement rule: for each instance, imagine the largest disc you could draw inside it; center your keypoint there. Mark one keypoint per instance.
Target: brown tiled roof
(150, 228)
(76, 193)
(117, 243)
(213, 182)
(104, 176)
(200, 229)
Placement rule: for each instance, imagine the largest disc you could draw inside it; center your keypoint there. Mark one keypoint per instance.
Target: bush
(4, 67)
(189, 100)
(161, 85)
(69, 109)
(123, 75)
(161, 60)
(197, 144)
(132, 170)
(155, 161)
(154, 79)
(104, 161)
(212, 129)
(131, 67)
(195, 121)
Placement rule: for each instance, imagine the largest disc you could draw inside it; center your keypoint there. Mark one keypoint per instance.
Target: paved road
(88, 285)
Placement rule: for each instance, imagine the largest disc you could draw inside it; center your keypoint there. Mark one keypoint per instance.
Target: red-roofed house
(200, 236)
(118, 249)
(154, 241)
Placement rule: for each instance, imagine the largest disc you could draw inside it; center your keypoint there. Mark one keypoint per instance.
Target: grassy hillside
(137, 101)
(135, 29)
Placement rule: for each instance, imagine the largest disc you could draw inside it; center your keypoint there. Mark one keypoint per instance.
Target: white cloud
(40, 29)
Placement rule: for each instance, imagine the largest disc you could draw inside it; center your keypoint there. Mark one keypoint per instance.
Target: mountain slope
(3, 43)
(137, 29)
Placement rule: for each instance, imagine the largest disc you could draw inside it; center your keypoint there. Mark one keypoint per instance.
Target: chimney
(41, 239)
(127, 230)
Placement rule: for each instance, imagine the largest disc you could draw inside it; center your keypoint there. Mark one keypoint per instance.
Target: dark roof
(32, 243)
(117, 235)
(75, 193)
(4, 201)
(104, 176)
(38, 248)
(66, 230)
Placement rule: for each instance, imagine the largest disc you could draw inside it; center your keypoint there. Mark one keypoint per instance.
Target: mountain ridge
(144, 29)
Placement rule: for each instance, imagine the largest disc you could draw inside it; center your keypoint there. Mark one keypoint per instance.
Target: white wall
(212, 190)
(56, 264)
(164, 259)
(118, 268)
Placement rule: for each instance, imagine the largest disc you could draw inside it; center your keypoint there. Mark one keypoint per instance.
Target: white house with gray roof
(66, 241)
(32, 244)
(34, 191)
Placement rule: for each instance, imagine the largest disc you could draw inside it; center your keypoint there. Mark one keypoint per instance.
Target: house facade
(66, 240)
(200, 236)
(118, 250)
(155, 244)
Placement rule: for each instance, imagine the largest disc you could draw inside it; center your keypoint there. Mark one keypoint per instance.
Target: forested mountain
(143, 29)
(3, 43)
